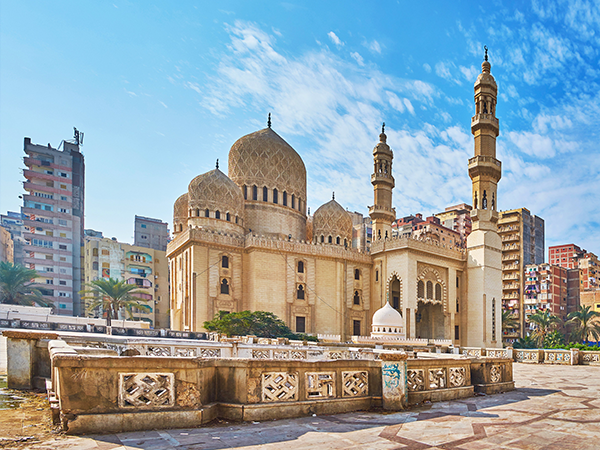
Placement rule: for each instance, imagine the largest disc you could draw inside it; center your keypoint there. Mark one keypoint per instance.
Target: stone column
(21, 358)
(393, 377)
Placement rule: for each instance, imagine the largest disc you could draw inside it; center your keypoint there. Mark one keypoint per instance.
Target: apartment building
(362, 231)
(565, 255)
(151, 233)
(144, 267)
(457, 218)
(7, 247)
(13, 222)
(546, 289)
(53, 216)
(522, 235)
(429, 228)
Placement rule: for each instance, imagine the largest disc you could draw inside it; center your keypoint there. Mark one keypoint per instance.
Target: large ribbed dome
(216, 192)
(332, 220)
(263, 158)
(180, 208)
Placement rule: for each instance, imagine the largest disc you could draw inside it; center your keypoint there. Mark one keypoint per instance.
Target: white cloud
(359, 59)
(427, 68)
(336, 40)
(163, 104)
(470, 73)
(374, 46)
(533, 143)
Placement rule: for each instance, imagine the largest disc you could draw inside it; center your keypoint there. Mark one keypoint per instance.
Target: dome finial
(217, 163)
(383, 128)
(486, 50)
(382, 136)
(269, 121)
(333, 196)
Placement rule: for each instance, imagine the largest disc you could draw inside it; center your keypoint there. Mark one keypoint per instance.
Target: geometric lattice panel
(279, 387)
(355, 384)
(320, 384)
(146, 390)
(457, 376)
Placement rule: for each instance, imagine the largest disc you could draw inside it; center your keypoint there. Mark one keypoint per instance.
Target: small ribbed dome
(332, 220)
(180, 208)
(387, 317)
(263, 158)
(215, 191)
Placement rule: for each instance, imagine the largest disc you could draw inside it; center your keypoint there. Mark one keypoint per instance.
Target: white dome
(387, 317)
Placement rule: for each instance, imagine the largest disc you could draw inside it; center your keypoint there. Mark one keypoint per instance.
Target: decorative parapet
(566, 357)
(590, 358)
(499, 353)
(391, 341)
(330, 337)
(473, 352)
(529, 355)
(418, 244)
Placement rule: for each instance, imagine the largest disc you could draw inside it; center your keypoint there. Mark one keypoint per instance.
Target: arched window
(284, 200)
(330, 240)
(236, 219)
(254, 193)
(357, 274)
(337, 240)
(265, 194)
(377, 275)
(345, 243)
(217, 215)
(206, 213)
(421, 289)
(322, 239)
(300, 266)
(300, 292)
(438, 291)
(245, 192)
(228, 217)
(180, 227)
(484, 200)
(429, 289)
(356, 298)
(198, 212)
(224, 287)
(225, 261)
(293, 201)
(94, 252)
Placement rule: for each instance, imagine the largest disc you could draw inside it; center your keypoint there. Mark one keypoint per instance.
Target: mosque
(243, 241)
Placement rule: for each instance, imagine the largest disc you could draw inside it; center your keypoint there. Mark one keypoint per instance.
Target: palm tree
(113, 295)
(17, 286)
(545, 323)
(508, 320)
(587, 324)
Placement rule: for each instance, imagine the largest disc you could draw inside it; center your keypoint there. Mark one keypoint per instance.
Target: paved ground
(554, 407)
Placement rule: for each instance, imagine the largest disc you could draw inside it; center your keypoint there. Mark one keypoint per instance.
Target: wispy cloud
(373, 45)
(336, 40)
(359, 59)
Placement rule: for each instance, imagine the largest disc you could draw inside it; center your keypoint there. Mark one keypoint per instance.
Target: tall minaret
(484, 247)
(382, 214)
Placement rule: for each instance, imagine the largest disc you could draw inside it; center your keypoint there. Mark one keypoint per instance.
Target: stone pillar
(393, 377)
(21, 357)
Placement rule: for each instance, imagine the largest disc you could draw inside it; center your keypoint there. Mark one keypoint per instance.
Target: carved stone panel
(159, 351)
(437, 378)
(146, 390)
(495, 374)
(279, 387)
(261, 354)
(355, 384)
(457, 376)
(415, 380)
(320, 384)
(209, 352)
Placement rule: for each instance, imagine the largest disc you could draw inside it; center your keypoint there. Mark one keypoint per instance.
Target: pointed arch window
(356, 298)
(224, 287)
(322, 239)
(217, 214)
(300, 292)
(236, 219)
(225, 261)
(430, 290)
(228, 217)
(198, 212)
(357, 274)
(180, 227)
(275, 196)
(254, 193)
(330, 240)
(265, 194)
(206, 213)
(293, 201)
(337, 240)
(300, 266)
(284, 198)
(438, 292)
(421, 289)
(245, 192)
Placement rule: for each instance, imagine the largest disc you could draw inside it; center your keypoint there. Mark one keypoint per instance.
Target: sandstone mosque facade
(243, 241)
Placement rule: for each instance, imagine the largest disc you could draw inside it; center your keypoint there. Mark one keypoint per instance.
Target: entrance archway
(429, 320)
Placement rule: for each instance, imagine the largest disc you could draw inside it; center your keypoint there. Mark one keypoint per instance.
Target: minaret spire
(217, 163)
(382, 214)
(269, 121)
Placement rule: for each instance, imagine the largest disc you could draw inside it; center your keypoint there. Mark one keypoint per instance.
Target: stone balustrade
(529, 355)
(589, 357)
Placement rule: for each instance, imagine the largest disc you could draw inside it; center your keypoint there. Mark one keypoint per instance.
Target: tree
(508, 320)
(258, 323)
(544, 323)
(526, 342)
(586, 322)
(17, 286)
(114, 295)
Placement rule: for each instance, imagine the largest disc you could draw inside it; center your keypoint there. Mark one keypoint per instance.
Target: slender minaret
(484, 247)
(382, 214)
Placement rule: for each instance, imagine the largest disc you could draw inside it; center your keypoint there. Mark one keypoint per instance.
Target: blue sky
(163, 89)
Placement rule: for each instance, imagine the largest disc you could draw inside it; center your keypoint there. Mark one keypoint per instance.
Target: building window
(430, 290)
(456, 281)
(275, 196)
(377, 275)
(224, 287)
(48, 281)
(228, 217)
(94, 252)
(206, 213)
(357, 274)
(105, 252)
(456, 333)
(236, 219)
(62, 283)
(322, 239)
(265, 194)
(300, 324)
(62, 247)
(300, 292)
(300, 266)
(356, 327)
(95, 265)
(293, 201)
(421, 289)
(438, 292)
(284, 198)
(330, 239)
(337, 240)
(225, 262)
(254, 193)
(245, 189)
(217, 214)
(356, 298)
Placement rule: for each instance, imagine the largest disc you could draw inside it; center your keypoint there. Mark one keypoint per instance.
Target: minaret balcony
(378, 211)
(488, 121)
(383, 178)
(485, 165)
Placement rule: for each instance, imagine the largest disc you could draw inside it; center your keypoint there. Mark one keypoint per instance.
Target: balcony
(511, 237)
(513, 257)
(511, 247)
(513, 296)
(510, 287)
(512, 276)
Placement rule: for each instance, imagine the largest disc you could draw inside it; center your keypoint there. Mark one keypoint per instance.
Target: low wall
(437, 379)
(492, 375)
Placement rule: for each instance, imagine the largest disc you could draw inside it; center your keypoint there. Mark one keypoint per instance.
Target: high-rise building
(151, 233)
(430, 228)
(13, 222)
(565, 255)
(522, 236)
(546, 289)
(144, 267)
(457, 218)
(362, 231)
(7, 246)
(53, 213)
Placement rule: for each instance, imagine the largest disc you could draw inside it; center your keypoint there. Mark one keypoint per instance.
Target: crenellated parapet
(419, 244)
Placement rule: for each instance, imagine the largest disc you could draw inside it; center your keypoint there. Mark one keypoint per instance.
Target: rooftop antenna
(269, 121)
(78, 135)
(486, 50)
